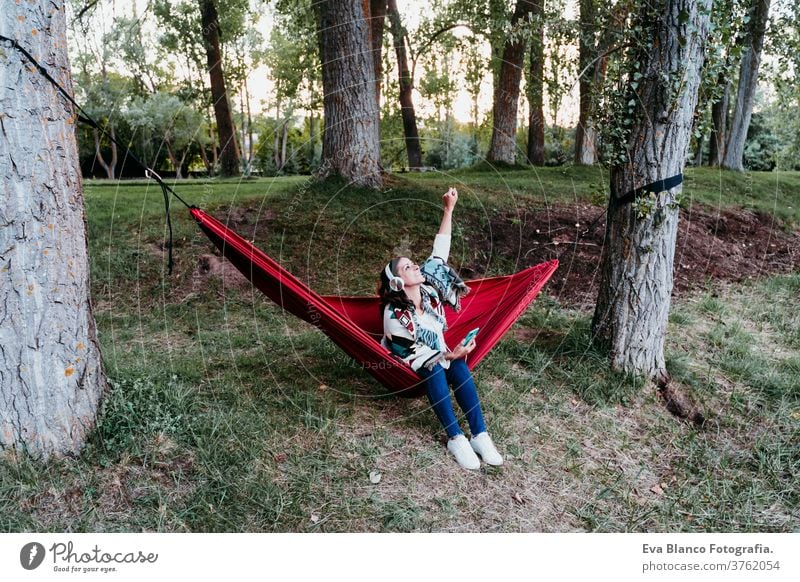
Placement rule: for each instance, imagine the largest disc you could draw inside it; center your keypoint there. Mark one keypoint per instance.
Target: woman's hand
(461, 351)
(450, 198)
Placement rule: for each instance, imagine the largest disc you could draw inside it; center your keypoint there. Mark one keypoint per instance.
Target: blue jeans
(459, 376)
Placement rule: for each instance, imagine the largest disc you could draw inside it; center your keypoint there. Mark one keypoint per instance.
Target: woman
(412, 305)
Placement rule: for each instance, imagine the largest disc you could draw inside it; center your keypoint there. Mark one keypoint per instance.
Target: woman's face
(409, 272)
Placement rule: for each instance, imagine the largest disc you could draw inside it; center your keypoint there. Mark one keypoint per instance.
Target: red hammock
(354, 323)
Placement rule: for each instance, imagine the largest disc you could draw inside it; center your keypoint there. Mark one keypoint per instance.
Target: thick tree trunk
(351, 138)
(377, 15)
(535, 86)
(413, 149)
(719, 121)
(503, 146)
(51, 375)
(229, 148)
(748, 82)
(630, 317)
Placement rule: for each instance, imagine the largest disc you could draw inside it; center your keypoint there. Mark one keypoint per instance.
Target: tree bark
(748, 83)
(630, 317)
(229, 148)
(503, 146)
(719, 121)
(535, 86)
(407, 112)
(51, 374)
(351, 135)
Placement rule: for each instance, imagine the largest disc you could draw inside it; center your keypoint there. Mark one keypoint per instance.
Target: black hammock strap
(88, 120)
(657, 186)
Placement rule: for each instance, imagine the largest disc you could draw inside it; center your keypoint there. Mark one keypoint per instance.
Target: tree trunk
(284, 142)
(250, 146)
(313, 129)
(587, 48)
(51, 374)
(206, 162)
(535, 85)
(276, 154)
(173, 159)
(503, 146)
(698, 153)
(748, 82)
(719, 120)
(413, 149)
(630, 317)
(377, 15)
(351, 137)
(98, 154)
(229, 149)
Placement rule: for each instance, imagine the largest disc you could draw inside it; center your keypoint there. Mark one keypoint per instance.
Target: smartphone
(469, 336)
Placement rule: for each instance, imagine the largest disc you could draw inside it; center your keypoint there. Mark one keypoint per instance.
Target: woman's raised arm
(450, 198)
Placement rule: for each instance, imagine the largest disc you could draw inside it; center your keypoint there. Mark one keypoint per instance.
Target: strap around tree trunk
(657, 186)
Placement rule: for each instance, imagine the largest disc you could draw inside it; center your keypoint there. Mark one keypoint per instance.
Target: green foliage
(762, 145)
(449, 148)
(163, 120)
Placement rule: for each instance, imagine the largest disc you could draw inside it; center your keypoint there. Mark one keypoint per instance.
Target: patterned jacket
(419, 340)
(416, 344)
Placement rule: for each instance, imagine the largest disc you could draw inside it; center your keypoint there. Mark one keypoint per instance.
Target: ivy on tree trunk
(630, 318)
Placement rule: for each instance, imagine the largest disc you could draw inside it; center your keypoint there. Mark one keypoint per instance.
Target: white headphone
(395, 283)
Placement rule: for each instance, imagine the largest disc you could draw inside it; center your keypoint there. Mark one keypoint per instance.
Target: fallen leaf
(657, 489)
(374, 477)
(280, 458)
(574, 402)
(314, 518)
(517, 498)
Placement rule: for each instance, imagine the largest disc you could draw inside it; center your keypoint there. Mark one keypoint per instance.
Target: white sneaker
(483, 445)
(465, 456)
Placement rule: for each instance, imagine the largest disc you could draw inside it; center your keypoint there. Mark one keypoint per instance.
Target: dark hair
(397, 299)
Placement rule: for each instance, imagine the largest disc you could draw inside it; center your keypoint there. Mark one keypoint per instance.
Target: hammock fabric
(354, 323)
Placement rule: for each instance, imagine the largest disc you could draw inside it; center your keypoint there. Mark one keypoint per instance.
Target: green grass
(225, 414)
(776, 193)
